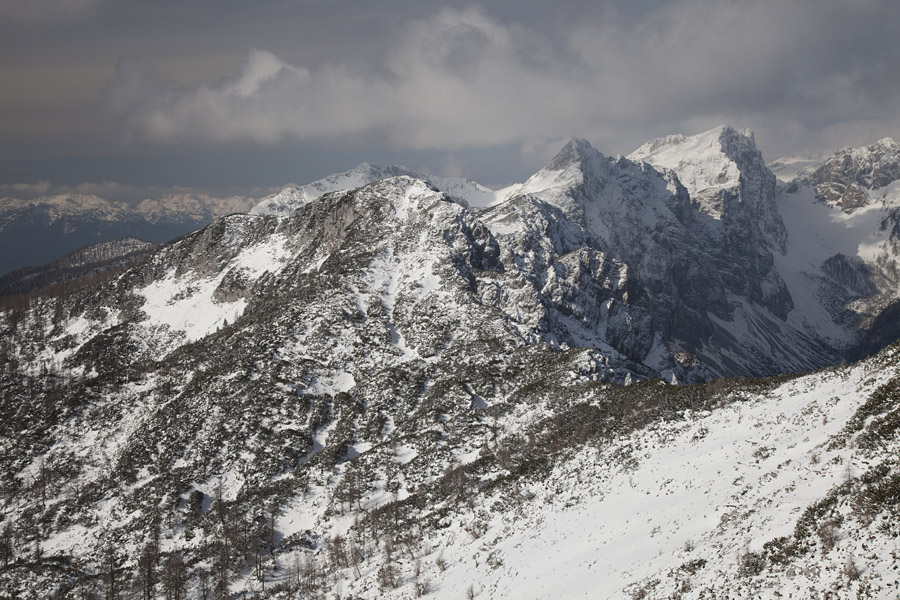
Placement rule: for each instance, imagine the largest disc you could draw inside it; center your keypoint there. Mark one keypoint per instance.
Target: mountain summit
(712, 160)
(291, 198)
(726, 174)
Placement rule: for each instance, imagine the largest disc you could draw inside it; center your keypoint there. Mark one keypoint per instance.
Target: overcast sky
(227, 95)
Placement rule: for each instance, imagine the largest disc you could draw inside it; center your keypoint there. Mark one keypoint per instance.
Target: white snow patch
(404, 454)
(331, 383)
(269, 255)
(186, 305)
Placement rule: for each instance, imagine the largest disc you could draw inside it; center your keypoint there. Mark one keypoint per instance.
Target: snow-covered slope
(702, 166)
(843, 255)
(396, 440)
(726, 174)
(824, 243)
(581, 230)
(295, 197)
(781, 492)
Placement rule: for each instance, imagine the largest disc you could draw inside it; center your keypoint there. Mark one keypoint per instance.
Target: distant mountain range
(37, 231)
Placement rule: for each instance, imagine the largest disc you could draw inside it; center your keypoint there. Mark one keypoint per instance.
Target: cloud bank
(802, 73)
(45, 10)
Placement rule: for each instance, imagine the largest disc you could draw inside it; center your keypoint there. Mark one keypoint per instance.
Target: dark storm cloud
(45, 10)
(455, 79)
(467, 78)
(186, 78)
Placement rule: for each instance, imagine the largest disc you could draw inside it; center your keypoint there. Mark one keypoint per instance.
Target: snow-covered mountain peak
(407, 195)
(384, 394)
(294, 197)
(707, 162)
(727, 177)
(576, 165)
(872, 166)
(63, 205)
(872, 163)
(364, 167)
(282, 203)
(464, 191)
(577, 151)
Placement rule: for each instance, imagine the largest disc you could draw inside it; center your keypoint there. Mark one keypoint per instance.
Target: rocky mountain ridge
(84, 264)
(848, 178)
(843, 215)
(294, 197)
(383, 392)
(168, 207)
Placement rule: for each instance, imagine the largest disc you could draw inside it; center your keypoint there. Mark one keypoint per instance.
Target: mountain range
(385, 384)
(47, 228)
(747, 275)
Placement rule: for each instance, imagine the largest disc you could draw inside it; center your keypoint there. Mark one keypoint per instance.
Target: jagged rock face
(631, 224)
(276, 344)
(292, 198)
(693, 283)
(726, 175)
(846, 177)
(397, 253)
(614, 255)
(596, 252)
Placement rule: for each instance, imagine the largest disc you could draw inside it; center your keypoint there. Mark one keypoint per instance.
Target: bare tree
(147, 572)
(356, 558)
(41, 483)
(337, 552)
(222, 567)
(7, 543)
(203, 584)
(273, 514)
(174, 576)
(223, 558)
(111, 572)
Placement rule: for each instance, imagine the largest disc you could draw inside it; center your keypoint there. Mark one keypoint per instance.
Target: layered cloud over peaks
(457, 79)
(266, 102)
(463, 78)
